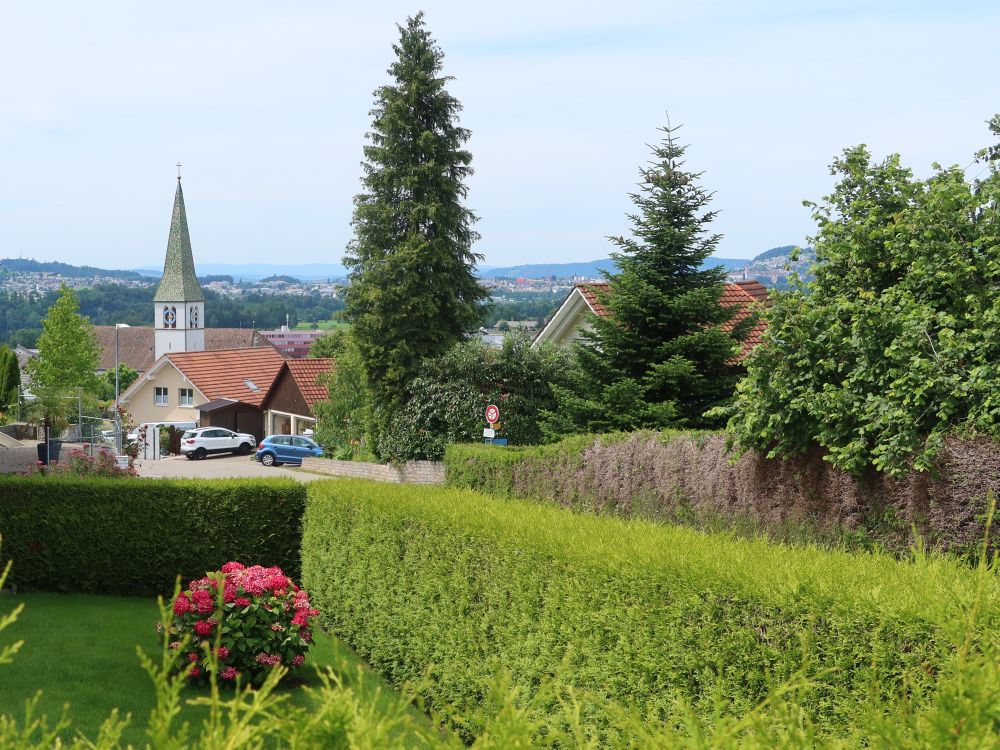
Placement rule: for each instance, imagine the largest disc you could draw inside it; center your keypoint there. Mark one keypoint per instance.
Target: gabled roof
(135, 344)
(744, 295)
(179, 282)
(243, 375)
(305, 372)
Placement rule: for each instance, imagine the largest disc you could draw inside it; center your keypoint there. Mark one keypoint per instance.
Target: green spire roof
(179, 282)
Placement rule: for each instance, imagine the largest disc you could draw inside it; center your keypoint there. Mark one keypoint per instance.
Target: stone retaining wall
(16, 460)
(412, 472)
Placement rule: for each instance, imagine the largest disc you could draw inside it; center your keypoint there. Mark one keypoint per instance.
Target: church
(178, 312)
(220, 377)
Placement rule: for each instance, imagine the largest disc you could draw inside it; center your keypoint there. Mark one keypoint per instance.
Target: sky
(267, 104)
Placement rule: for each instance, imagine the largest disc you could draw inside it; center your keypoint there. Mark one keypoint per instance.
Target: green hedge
(633, 612)
(133, 537)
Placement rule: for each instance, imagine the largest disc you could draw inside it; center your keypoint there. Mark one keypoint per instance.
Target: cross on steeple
(178, 170)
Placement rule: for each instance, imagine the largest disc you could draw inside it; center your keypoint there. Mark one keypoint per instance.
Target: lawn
(80, 650)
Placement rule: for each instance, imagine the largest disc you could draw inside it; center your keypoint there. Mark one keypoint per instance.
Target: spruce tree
(413, 290)
(661, 356)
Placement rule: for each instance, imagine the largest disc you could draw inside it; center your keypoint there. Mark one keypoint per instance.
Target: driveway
(223, 466)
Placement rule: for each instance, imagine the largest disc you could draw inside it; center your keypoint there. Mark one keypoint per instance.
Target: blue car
(275, 450)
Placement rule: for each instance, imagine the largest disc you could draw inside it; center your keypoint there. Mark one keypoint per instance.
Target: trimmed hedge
(133, 537)
(635, 613)
(693, 478)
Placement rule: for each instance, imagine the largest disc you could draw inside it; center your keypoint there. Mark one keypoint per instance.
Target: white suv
(200, 442)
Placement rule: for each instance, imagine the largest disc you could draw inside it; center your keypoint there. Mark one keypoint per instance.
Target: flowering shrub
(261, 621)
(79, 463)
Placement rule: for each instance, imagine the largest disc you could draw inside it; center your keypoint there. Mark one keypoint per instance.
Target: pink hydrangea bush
(263, 620)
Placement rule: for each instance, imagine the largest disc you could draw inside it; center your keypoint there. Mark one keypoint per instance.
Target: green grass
(80, 650)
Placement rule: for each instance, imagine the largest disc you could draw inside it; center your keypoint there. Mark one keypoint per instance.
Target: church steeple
(179, 282)
(179, 302)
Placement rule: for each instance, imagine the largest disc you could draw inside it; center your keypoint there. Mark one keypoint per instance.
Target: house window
(160, 396)
(185, 396)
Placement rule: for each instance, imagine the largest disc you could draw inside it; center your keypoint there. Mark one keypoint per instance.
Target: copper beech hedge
(693, 478)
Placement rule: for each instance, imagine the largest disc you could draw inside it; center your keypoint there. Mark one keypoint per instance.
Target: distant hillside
(259, 271)
(586, 269)
(21, 265)
(775, 252)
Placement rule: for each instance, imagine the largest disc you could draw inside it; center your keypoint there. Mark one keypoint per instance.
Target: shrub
(79, 463)
(263, 619)
(109, 536)
(457, 587)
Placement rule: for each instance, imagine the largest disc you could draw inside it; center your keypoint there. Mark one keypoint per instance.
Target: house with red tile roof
(221, 388)
(288, 407)
(571, 318)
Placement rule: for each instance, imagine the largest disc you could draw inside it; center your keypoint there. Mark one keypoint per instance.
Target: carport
(233, 415)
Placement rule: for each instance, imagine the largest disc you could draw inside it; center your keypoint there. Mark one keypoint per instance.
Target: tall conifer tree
(413, 290)
(10, 379)
(660, 357)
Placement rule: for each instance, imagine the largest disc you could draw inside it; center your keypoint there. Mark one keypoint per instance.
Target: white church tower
(179, 302)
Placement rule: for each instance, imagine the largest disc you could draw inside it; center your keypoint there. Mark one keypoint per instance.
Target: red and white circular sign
(492, 414)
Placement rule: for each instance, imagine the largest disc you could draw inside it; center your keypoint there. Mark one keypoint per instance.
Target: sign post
(492, 417)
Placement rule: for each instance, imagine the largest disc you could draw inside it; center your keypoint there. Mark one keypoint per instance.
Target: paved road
(218, 467)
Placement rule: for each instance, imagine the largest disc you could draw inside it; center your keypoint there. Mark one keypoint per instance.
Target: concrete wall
(412, 472)
(16, 460)
(21, 431)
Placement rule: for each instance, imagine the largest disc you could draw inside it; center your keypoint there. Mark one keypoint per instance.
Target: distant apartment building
(294, 344)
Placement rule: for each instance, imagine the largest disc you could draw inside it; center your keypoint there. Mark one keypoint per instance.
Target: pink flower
(222, 652)
(277, 627)
(182, 605)
(232, 567)
(203, 627)
(268, 659)
(301, 619)
(306, 635)
(203, 601)
(192, 656)
(229, 673)
(242, 601)
(298, 659)
(175, 645)
(195, 672)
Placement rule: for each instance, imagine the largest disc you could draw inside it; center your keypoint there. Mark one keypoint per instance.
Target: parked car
(275, 450)
(202, 441)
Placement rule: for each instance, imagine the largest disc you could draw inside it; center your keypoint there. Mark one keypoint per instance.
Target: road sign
(492, 414)
(488, 433)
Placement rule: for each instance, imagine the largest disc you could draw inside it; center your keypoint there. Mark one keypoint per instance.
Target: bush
(457, 587)
(79, 463)
(263, 617)
(128, 538)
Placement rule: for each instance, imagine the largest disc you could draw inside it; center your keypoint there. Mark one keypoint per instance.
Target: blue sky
(266, 104)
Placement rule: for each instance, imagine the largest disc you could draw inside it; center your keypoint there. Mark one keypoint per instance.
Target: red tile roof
(135, 344)
(223, 373)
(590, 292)
(305, 372)
(743, 294)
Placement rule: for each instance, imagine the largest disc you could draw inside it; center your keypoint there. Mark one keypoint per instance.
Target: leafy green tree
(896, 341)
(344, 419)
(448, 397)
(10, 379)
(661, 356)
(68, 352)
(126, 376)
(413, 290)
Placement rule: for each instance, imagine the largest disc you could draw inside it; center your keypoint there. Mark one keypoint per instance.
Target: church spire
(179, 282)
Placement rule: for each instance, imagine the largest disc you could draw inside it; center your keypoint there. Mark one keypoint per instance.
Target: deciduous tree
(896, 341)
(68, 352)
